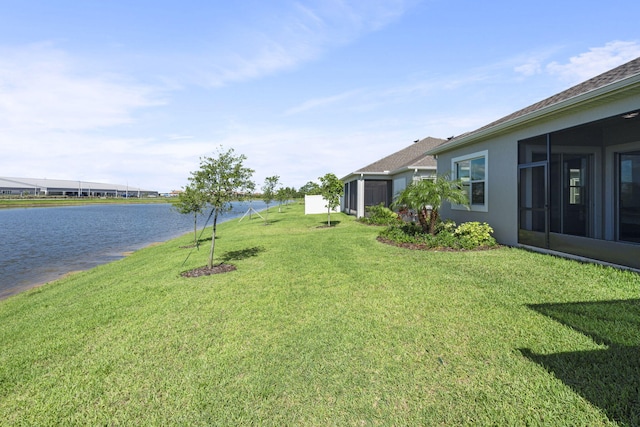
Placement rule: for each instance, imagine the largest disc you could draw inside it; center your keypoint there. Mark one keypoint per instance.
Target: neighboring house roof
(411, 157)
(619, 78)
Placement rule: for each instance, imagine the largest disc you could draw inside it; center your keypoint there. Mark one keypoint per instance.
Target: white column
(360, 209)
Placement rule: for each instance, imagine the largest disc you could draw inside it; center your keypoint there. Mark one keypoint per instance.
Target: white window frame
(479, 154)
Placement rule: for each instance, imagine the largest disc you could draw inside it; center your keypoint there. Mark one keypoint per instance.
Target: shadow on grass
(271, 221)
(324, 224)
(241, 254)
(610, 378)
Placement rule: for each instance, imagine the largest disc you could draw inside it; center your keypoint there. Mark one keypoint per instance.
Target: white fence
(316, 205)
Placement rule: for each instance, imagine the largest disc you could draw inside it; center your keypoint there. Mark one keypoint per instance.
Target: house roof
(608, 81)
(20, 183)
(411, 157)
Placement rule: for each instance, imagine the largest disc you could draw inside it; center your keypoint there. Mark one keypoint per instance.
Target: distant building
(69, 188)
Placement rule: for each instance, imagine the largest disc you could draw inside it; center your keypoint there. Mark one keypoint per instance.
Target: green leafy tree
(191, 201)
(425, 197)
(222, 180)
(291, 193)
(269, 192)
(310, 188)
(282, 195)
(331, 188)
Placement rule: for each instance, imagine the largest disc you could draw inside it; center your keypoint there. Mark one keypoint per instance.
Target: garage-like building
(69, 188)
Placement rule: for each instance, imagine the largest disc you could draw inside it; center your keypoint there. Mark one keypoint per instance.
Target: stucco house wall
(501, 187)
(502, 167)
(578, 166)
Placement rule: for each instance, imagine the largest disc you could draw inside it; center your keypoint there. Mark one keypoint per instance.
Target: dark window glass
(629, 197)
(477, 193)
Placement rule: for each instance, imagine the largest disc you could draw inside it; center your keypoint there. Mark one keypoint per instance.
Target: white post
(360, 208)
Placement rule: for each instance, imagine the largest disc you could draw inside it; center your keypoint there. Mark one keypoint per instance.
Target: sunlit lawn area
(324, 326)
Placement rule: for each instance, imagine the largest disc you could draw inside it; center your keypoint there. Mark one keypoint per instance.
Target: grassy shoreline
(323, 326)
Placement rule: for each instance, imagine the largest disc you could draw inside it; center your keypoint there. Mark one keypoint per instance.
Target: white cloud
(529, 68)
(42, 88)
(596, 61)
(320, 102)
(302, 34)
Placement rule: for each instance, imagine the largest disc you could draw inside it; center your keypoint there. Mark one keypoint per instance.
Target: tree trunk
(328, 216)
(213, 240)
(195, 229)
(432, 222)
(423, 219)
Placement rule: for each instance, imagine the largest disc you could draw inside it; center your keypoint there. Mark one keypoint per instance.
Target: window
(472, 171)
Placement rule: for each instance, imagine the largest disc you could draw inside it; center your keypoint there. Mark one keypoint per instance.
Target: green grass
(324, 326)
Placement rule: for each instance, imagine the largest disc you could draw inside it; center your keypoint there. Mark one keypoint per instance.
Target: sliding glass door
(629, 197)
(533, 218)
(570, 194)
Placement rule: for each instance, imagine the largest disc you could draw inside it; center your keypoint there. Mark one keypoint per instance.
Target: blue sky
(138, 91)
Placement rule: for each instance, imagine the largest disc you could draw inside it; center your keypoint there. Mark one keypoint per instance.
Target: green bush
(379, 215)
(448, 226)
(466, 236)
(408, 232)
(475, 233)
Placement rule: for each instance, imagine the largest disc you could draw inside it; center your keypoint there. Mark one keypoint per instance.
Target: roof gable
(411, 156)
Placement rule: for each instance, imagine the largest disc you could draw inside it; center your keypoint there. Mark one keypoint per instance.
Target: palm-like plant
(425, 197)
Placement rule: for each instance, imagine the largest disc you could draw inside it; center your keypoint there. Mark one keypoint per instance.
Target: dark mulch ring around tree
(424, 247)
(206, 271)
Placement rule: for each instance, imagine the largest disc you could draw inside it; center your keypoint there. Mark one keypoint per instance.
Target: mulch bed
(423, 247)
(206, 271)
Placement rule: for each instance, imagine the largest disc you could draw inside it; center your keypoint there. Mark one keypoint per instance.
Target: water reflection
(38, 245)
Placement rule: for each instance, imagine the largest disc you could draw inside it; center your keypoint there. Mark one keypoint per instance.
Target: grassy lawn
(324, 326)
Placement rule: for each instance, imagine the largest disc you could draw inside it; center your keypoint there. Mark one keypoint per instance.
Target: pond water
(38, 245)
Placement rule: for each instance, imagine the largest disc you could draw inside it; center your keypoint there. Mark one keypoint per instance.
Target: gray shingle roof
(411, 156)
(614, 75)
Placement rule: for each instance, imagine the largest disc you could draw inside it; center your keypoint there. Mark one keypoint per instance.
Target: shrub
(467, 236)
(380, 215)
(475, 233)
(448, 226)
(408, 232)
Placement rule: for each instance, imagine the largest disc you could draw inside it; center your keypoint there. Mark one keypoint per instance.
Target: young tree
(425, 197)
(268, 192)
(221, 180)
(331, 188)
(283, 195)
(191, 201)
(292, 193)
